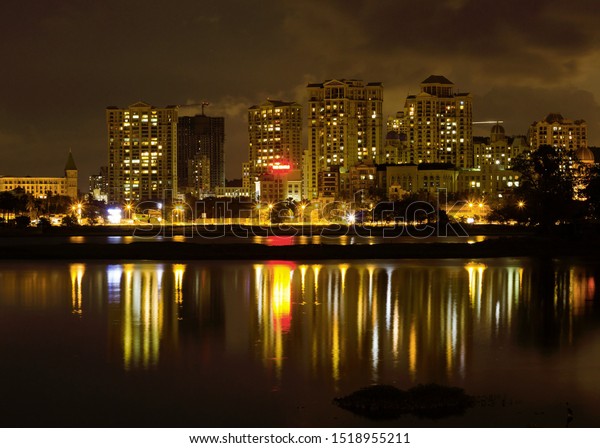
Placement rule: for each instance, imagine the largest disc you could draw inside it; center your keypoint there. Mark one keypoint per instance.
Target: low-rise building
(490, 180)
(426, 177)
(431, 177)
(279, 185)
(42, 187)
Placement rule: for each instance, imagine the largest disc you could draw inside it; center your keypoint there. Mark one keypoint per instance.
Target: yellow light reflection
(412, 351)
(475, 271)
(142, 315)
(77, 270)
(316, 271)
(396, 331)
(281, 297)
(375, 341)
(450, 337)
(343, 270)
(274, 308)
(178, 271)
(335, 349)
(303, 269)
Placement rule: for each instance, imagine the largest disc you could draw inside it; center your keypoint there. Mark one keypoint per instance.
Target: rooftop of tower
(70, 165)
(141, 105)
(437, 79)
(497, 129)
(554, 118)
(276, 103)
(345, 81)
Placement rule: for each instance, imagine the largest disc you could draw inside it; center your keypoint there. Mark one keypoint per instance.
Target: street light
(521, 204)
(128, 208)
(178, 211)
(76, 208)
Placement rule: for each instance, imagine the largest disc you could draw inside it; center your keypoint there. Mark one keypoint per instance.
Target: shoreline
(540, 247)
(275, 230)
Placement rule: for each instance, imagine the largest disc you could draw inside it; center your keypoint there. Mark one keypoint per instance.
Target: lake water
(242, 344)
(270, 240)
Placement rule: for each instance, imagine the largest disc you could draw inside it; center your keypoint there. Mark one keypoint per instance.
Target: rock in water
(387, 402)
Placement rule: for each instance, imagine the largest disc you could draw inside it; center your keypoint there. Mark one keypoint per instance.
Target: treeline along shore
(547, 245)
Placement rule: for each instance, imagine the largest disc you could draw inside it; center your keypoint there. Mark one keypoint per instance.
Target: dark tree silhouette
(592, 193)
(547, 185)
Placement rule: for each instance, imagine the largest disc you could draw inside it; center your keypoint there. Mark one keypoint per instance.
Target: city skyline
(63, 61)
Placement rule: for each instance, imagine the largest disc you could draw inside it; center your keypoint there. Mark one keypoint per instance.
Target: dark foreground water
(271, 344)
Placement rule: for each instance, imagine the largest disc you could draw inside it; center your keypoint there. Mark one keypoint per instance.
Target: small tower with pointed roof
(71, 177)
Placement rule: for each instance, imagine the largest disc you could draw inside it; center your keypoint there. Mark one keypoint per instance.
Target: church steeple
(70, 166)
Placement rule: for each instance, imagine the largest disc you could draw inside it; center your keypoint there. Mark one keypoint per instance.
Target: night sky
(64, 62)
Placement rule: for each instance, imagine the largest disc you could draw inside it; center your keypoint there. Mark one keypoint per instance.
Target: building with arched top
(42, 187)
(557, 131)
(437, 123)
(498, 149)
(585, 156)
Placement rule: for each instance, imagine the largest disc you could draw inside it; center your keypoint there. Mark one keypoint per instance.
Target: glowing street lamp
(76, 208)
(302, 208)
(178, 213)
(521, 205)
(128, 208)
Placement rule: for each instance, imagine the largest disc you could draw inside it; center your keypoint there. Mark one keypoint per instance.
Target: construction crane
(203, 104)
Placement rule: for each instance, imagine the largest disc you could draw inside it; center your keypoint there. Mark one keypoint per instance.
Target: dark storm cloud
(518, 107)
(63, 62)
(536, 40)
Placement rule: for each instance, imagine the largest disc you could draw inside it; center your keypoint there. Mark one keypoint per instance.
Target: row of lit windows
(32, 181)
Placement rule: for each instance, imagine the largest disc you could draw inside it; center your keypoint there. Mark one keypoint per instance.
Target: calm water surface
(271, 240)
(271, 344)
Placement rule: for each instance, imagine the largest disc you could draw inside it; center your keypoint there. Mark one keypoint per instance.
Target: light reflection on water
(271, 240)
(377, 314)
(339, 325)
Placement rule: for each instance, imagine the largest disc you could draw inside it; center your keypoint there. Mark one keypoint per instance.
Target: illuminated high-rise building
(142, 153)
(554, 130)
(437, 123)
(99, 185)
(344, 128)
(201, 153)
(274, 145)
(275, 136)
